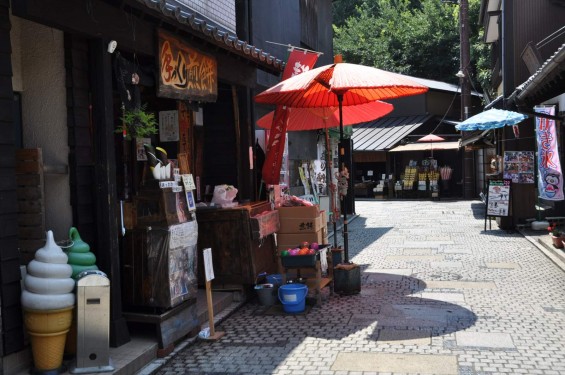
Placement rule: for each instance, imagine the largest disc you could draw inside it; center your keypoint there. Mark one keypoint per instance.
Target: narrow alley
(439, 296)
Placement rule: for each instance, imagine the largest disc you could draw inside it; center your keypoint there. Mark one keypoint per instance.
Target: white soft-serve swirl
(48, 283)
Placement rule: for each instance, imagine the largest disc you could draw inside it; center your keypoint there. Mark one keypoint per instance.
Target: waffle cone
(47, 349)
(48, 332)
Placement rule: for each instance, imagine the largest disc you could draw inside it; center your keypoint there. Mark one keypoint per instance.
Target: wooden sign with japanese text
(185, 73)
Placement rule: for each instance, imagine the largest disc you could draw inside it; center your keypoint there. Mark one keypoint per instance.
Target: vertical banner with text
(550, 177)
(298, 62)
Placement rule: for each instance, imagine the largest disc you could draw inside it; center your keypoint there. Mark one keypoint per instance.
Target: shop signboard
(519, 166)
(184, 72)
(498, 197)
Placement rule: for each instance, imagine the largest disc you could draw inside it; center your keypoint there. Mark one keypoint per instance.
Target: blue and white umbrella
(491, 119)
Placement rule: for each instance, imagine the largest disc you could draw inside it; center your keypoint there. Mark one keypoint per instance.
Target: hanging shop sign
(185, 73)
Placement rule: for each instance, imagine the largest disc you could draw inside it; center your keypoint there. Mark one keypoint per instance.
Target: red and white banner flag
(298, 62)
(550, 177)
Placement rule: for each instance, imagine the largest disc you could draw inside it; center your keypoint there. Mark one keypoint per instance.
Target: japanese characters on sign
(498, 198)
(185, 73)
(550, 176)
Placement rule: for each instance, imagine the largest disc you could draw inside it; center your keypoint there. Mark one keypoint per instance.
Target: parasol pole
(331, 188)
(342, 165)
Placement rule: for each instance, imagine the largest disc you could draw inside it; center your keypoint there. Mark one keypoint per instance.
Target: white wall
(39, 74)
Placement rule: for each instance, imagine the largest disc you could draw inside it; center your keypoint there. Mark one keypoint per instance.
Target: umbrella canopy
(357, 84)
(491, 119)
(339, 85)
(320, 118)
(431, 138)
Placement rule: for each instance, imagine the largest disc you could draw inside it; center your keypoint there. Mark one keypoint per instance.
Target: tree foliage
(414, 37)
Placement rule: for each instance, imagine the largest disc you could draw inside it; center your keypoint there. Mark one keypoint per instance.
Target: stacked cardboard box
(301, 224)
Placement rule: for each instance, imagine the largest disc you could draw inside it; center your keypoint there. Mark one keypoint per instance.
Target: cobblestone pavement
(439, 296)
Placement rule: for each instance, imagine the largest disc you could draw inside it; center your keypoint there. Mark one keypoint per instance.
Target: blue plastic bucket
(293, 297)
(275, 279)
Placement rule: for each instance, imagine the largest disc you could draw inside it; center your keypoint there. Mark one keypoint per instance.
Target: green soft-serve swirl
(80, 257)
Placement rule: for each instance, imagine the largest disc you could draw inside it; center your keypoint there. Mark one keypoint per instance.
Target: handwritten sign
(208, 266)
(188, 182)
(168, 126)
(498, 198)
(185, 73)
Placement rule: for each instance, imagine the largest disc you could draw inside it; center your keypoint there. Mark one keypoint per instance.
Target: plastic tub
(266, 294)
(275, 279)
(293, 297)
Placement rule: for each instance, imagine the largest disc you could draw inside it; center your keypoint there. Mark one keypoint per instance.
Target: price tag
(188, 182)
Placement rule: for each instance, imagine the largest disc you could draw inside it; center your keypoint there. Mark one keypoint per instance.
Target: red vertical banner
(298, 62)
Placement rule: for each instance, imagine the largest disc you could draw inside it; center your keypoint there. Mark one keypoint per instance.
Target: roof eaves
(535, 80)
(215, 34)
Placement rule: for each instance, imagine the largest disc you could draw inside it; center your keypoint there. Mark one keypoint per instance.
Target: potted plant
(555, 236)
(138, 123)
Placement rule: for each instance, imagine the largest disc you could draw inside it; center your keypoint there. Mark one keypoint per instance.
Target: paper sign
(188, 182)
(168, 126)
(208, 266)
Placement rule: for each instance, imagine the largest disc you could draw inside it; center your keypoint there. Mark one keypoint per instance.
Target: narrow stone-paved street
(439, 296)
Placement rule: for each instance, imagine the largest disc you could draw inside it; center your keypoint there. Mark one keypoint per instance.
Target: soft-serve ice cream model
(48, 301)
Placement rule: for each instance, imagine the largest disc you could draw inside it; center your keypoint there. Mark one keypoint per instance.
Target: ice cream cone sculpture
(48, 301)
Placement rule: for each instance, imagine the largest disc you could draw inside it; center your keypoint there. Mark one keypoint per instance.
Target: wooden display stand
(315, 284)
(238, 256)
(159, 263)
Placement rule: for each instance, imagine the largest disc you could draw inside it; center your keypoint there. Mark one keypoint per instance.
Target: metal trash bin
(93, 323)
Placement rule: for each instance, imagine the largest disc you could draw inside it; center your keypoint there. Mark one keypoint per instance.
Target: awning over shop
(427, 146)
(385, 133)
(476, 139)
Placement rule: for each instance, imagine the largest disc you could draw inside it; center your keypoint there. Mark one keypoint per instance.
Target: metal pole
(342, 166)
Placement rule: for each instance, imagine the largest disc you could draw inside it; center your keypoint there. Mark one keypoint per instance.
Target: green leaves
(138, 123)
(417, 38)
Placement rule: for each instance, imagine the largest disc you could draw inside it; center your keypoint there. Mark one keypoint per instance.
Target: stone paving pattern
(439, 296)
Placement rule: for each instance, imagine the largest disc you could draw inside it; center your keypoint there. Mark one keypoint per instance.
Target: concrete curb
(556, 256)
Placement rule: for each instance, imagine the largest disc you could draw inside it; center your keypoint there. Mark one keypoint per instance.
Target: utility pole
(463, 74)
(465, 58)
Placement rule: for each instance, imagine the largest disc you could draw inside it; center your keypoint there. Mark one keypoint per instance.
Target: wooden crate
(31, 202)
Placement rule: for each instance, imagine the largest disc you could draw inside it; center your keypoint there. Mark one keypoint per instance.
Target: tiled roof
(549, 74)
(214, 33)
(385, 133)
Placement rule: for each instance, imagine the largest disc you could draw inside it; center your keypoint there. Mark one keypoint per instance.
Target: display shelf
(315, 284)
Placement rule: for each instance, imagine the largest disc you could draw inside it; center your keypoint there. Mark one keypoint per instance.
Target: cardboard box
(324, 214)
(299, 212)
(300, 225)
(291, 240)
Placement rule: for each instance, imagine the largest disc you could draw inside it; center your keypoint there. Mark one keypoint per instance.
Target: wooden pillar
(107, 204)
(11, 329)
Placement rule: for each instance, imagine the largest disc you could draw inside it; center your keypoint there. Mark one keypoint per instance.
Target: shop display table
(315, 281)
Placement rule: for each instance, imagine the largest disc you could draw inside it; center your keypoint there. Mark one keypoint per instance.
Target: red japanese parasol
(338, 85)
(300, 119)
(431, 138)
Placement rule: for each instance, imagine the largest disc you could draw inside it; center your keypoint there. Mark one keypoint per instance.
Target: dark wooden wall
(533, 22)
(10, 314)
(80, 129)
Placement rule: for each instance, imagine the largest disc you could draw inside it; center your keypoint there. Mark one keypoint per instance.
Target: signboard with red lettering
(184, 72)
